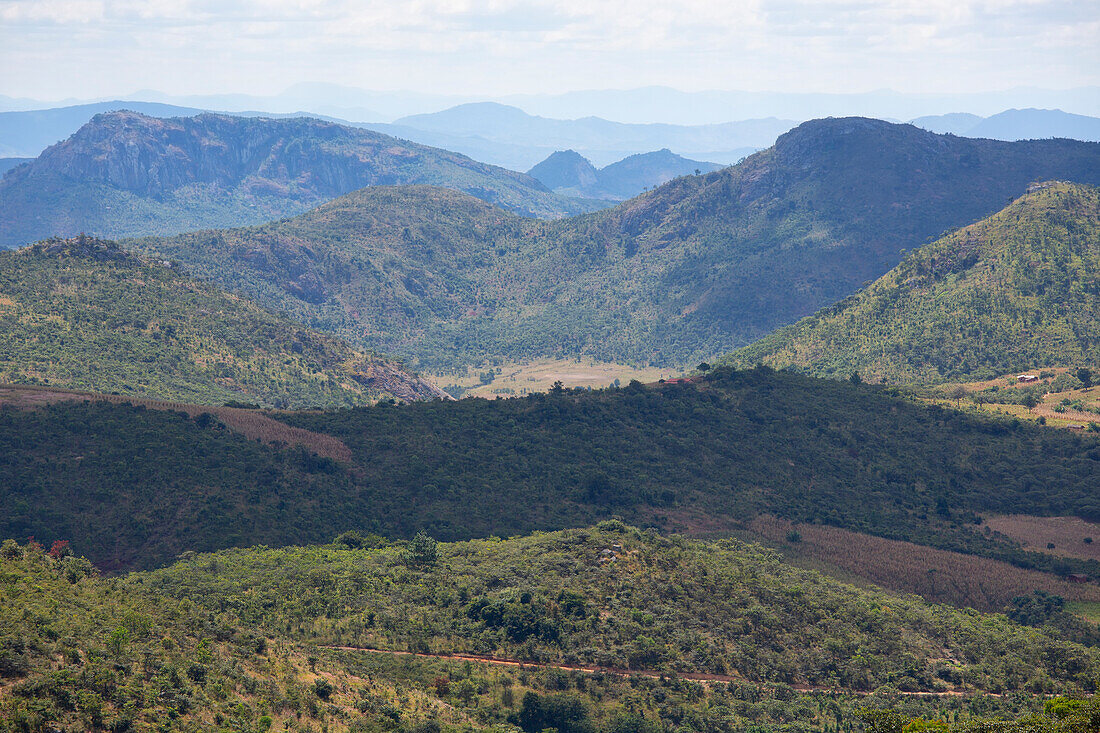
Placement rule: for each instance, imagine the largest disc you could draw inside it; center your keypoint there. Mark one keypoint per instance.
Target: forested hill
(613, 596)
(134, 488)
(244, 641)
(85, 314)
(1018, 290)
(698, 267)
(126, 174)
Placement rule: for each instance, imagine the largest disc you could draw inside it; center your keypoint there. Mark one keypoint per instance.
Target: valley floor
(517, 379)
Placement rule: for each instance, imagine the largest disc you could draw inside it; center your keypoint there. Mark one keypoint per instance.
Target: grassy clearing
(518, 379)
(1070, 536)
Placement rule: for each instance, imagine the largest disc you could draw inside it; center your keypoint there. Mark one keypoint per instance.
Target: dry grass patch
(937, 575)
(516, 380)
(1067, 534)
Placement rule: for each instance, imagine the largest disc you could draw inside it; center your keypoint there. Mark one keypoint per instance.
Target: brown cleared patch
(253, 424)
(937, 575)
(1067, 534)
(695, 523)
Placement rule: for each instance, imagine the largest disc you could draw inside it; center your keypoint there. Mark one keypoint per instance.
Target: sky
(55, 49)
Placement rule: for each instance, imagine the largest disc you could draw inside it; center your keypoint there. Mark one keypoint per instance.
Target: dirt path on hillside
(620, 672)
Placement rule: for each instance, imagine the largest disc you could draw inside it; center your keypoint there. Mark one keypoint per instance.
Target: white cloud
(84, 47)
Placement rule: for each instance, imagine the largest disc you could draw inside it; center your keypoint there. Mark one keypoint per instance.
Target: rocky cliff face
(152, 157)
(384, 377)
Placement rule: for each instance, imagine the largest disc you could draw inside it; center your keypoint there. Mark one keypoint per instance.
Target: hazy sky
(50, 49)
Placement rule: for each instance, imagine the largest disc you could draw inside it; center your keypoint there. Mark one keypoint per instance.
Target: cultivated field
(1071, 537)
(1066, 416)
(938, 575)
(252, 424)
(516, 380)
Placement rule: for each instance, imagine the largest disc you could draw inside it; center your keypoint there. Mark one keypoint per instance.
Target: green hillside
(78, 653)
(241, 641)
(667, 605)
(696, 268)
(126, 174)
(84, 314)
(1017, 290)
(134, 488)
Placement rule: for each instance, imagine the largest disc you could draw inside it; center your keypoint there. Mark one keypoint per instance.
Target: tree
(1085, 375)
(423, 550)
(855, 378)
(882, 721)
(703, 367)
(1030, 400)
(117, 640)
(350, 539)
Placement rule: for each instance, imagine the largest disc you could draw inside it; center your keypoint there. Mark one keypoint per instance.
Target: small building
(1027, 377)
(1077, 578)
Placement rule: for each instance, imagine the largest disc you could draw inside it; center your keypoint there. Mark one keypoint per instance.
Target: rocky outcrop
(124, 174)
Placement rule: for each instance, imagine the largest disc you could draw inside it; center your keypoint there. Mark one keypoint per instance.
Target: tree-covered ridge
(1017, 290)
(615, 597)
(695, 268)
(84, 314)
(134, 488)
(405, 269)
(127, 174)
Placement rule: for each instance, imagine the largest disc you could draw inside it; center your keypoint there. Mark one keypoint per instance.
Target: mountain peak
(565, 169)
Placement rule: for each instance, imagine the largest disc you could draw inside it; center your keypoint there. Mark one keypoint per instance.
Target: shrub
(323, 689)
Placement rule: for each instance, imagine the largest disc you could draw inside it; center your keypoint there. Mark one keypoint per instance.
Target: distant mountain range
(638, 105)
(568, 173)
(664, 104)
(1016, 124)
(697, 267)
(510, 137)
(84, 314)
(517, 140)
(127, 174)
(1017, 290)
